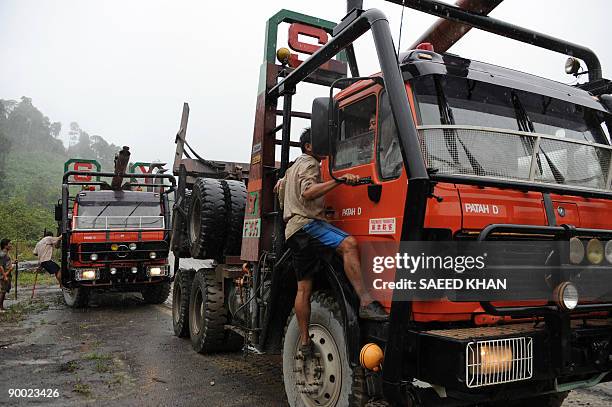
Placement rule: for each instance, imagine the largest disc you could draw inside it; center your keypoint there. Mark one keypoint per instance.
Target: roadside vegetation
(26, 279)
(20, 310)
(32, 157)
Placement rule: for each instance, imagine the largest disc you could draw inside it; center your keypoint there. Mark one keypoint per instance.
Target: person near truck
(6, 267)
(312, 239)
(44, 251)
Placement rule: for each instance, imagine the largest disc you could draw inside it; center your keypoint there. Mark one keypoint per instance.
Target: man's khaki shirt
(298, 211)
(44, 248)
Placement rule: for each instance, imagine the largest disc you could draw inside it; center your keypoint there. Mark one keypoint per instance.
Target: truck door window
(389, 154)
(357, 131)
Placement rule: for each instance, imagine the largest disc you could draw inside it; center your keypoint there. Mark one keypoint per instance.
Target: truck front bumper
(505, 362)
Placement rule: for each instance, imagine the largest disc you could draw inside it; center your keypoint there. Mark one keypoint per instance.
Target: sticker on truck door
(382, 226)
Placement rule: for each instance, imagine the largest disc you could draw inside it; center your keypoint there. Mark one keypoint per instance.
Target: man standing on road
(6, 267)
(44, 251)
(312, 238)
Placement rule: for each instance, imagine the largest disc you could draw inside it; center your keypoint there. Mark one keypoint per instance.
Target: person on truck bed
(6, 266)
(44, 251)
(313, 239)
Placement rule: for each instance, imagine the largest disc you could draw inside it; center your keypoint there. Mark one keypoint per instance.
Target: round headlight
(132, 246)
(93, 257)
(113, 271)
(566, 296)
(608, 251)
(152, 255)
(595, 251)
(134, 270)
(114, 247)
(576, 250)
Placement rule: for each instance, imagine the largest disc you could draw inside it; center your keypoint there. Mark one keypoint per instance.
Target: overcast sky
(122, 69)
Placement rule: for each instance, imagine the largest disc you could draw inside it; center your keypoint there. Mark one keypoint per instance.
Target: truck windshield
(476, 128)
(119, 215)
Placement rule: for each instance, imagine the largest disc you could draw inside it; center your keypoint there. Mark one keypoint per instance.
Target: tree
(56, 129)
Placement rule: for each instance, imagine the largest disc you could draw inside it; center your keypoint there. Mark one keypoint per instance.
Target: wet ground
(120, 351)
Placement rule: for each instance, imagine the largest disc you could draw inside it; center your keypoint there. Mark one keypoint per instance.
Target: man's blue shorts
(326, 233)
(314, 242)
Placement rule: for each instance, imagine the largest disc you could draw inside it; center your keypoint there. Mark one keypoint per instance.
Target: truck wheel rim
(319, 379)
(176, 302)
(198, 311)
(194, 225)
(69, 292)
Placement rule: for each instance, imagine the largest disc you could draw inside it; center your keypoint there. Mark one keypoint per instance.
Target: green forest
(32, 160)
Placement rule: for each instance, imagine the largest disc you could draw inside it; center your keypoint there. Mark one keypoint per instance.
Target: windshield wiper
(130, 214)
(525, 124)
(450, 135)
(99, 214)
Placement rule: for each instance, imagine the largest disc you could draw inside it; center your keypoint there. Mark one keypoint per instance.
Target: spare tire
(207, 219)
(235, 201)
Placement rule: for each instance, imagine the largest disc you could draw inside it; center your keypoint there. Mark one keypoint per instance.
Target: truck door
(367, 146)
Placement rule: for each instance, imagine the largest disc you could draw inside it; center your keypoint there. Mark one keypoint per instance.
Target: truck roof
(414, 64)
(117, 196)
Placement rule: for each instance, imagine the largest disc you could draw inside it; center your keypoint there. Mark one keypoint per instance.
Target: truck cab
(115, 240)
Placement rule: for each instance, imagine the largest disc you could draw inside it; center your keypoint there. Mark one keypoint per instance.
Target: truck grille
(498, 361)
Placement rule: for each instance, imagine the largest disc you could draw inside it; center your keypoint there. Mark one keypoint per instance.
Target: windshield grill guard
(87, 223)
(509, 155)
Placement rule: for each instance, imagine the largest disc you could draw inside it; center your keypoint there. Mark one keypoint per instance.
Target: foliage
(32, 164)
(23, 221)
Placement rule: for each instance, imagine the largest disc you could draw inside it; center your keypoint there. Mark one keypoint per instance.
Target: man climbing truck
(461, 151)
(114, 236)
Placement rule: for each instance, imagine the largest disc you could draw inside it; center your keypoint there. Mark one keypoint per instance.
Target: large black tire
(207, 219)
(340, 385)
(180, 302)
(185, 247)
(77, 297)
(208, 316)
(156, 294)
(235, 202)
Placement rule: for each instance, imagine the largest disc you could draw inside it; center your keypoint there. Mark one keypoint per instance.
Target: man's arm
(57, 241)
(4, 274)
(317, 190)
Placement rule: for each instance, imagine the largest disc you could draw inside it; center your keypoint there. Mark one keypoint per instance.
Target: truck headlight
(576, 250)
(152, 255)
(86, 274)
(595, 251)
(132, 246)
(566, 296)
(93, 257)
(492, 358)
(157, 271)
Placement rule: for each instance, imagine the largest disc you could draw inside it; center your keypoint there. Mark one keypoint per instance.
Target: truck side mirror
(319, 126)
(58, 212)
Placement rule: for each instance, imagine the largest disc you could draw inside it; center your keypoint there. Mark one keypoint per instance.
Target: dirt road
(122, 352)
